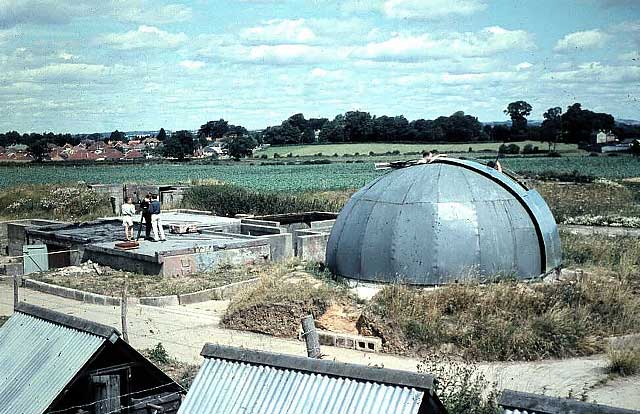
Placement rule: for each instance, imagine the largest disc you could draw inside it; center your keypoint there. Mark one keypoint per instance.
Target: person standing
(156, 222)
(128, 211)
(145, 205)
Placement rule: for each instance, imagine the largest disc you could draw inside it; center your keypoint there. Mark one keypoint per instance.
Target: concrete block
(170, 300)
(312, 247)
(281, 246)
(357, 342)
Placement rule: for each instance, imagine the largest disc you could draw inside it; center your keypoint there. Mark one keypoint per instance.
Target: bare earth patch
(110, 282)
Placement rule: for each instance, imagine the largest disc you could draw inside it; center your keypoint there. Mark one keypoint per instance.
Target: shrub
(319, 154)
(356, 154)
(528, 149)
(335, 154)
(371, 153)
(395, 152)
(509, 149)
(624, 360)
(470, 149)
(290, 155)
(158, 354)
(554, 154)
(264, 156)
(276, 155)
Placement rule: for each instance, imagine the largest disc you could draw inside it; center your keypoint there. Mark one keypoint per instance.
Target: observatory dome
(443, 222)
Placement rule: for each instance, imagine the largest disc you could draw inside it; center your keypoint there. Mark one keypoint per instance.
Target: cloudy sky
(98, 65)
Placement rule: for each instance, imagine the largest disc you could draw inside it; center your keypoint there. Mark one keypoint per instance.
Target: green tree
(214, 129)
(162, 135)
(39, 149)
(552, 126)
(518, 111)
(578, 124)
(238, 146)
(117, 136)
(179, 145)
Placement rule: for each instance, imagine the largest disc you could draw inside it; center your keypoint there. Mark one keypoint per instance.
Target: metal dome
(446, 221)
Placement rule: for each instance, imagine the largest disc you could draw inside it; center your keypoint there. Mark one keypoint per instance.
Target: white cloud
(147, 12)
(588, 39)
(635, 56)
(66, 56)
(430, 9)
(192, 64)
(144, 37)
(489, 41)
(280, 31)
(596, 72)
(524, 66)
(71, 73)
(15, 12)
(290, 54)
(319, 73)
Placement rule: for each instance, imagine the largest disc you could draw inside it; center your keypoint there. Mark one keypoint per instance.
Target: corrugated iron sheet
(439, 223)
(37, 360)
(231, 387)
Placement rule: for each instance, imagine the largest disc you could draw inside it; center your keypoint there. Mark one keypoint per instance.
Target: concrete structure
(443, 222)
(52, 362)
(258, 382)
(197, 241)
(515, 402)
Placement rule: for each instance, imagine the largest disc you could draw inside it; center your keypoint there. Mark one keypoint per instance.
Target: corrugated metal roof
(38, 358)
(233, 387)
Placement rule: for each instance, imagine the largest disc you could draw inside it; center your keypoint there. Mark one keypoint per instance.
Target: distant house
(604, 137)
(82, 155)
(17, 148)
(56, 155)
(133, 155)
(112, 154)
(52, 362)
(247, 381)
(151, 142)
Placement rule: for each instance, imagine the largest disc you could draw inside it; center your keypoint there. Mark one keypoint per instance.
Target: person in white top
(128, 211)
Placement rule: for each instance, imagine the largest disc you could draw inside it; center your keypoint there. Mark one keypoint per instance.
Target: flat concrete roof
(179, 244)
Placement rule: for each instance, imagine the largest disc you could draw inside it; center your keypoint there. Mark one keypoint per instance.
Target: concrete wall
(204, 262)
(114, 192)
(312, 247)
(17, 233)
(281, 246)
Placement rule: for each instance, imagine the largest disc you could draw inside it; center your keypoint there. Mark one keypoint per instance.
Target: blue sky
(86, 65)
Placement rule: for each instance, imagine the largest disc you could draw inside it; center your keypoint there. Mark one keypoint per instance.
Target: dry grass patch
(624, 359)
(180, 372)
(595, 199)
(504, 321)
(285, 293)
(111, 282)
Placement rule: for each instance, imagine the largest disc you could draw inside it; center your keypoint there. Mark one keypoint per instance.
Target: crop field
(380, 148)
(337, 175)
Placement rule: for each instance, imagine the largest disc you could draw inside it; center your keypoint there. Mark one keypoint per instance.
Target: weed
(158, 354)
(461, 386)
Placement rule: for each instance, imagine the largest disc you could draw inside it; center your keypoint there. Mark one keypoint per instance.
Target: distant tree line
(575, 125)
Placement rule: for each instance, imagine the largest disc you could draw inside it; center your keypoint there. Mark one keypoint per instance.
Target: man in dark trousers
(145, 207)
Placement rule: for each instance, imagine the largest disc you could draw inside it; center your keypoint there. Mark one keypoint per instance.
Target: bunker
(443, 222)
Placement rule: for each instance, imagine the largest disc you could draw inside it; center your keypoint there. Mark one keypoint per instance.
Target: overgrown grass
(595, 199)
(229, 200)
(73, 202)
(506, 320)
(624, 359)
(285, 294)
(111, 282)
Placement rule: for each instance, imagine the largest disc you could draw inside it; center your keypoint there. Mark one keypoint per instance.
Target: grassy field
(381, 148)
(337, 175)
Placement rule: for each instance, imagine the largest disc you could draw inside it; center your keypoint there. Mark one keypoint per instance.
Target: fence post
(311, 338)
(16, 286)
(123, 310)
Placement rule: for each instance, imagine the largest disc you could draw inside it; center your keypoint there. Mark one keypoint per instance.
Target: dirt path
(183, 330)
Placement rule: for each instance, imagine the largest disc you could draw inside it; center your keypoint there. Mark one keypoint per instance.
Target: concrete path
(183, 330)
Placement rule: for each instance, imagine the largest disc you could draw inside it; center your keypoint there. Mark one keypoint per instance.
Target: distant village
(132, 147)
